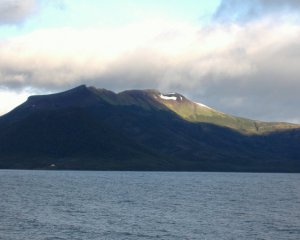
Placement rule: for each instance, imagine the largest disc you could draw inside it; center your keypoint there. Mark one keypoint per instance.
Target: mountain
(198, 112)
(96, 129)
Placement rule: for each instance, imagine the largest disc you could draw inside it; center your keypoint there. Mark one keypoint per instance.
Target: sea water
(57, 205)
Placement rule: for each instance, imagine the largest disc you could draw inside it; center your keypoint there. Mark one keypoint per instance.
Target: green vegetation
(191, 111)
(194, 112)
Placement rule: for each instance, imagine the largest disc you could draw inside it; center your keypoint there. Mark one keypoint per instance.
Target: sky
(240, 57)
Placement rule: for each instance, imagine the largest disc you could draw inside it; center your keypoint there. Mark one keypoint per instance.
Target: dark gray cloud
(237, 10)
(16, 11)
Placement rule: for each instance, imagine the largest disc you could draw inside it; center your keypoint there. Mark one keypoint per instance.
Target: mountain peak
(80, 96)
(82, 89)
(149, 99)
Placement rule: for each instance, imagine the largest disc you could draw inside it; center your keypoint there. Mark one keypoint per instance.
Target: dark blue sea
(78, 205)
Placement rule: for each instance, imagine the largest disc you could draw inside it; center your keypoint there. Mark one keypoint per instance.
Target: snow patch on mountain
(203, 105)
(165, 97)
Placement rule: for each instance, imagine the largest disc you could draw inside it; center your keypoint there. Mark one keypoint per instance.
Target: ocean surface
(57, 205)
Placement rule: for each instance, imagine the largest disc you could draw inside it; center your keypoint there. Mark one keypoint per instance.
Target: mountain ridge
(153, 99)
(96, 129)
(176, 102)
(185, 108)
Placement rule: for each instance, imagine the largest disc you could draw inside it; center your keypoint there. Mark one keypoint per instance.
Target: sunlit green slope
(191, 111)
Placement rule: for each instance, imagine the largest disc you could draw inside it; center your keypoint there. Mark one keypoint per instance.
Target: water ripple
(66, 205)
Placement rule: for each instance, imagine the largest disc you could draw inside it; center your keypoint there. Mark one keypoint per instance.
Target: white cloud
(242, 69)
(10, 100)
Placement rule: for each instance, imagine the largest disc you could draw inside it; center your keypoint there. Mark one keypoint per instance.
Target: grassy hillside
(196, 112)
(189, 110)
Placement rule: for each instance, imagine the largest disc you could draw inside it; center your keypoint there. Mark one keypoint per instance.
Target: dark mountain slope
(86, 128)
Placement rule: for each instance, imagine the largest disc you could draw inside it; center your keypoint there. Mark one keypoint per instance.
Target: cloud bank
(250, 69)
(230, 67)
(16, 11)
